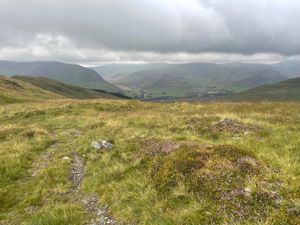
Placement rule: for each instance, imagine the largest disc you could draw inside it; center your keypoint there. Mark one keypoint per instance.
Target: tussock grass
(167, 166)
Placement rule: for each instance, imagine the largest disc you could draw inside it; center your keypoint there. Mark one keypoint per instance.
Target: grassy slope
(63, 72)
(15, 91)
(286, 90)
(143, 187)
(63, 89)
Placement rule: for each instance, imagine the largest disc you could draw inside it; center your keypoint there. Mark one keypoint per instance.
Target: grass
(166, 167)
(66, 90)
(17, 91)
(287, 90)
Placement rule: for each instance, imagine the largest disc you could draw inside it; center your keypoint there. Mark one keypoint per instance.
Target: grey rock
(102, 144)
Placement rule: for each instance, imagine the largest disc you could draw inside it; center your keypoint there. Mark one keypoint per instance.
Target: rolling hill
(288, 90)
(194, 79)
(67, 73)
(66, 90)
(17, 91)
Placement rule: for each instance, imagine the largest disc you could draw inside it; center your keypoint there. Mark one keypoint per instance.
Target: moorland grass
(201, 177)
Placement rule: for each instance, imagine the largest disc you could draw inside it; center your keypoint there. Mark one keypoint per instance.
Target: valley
(173, 157)
(157, 82)
(72, 155)
(161, 112)
(93, 158)
(194, 80)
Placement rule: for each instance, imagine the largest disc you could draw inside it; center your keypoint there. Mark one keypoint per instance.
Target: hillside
(67, 73)
(290, 69)
(66, 90)
(176, 163)
(288, 90)
(181, 80)
(16, 91)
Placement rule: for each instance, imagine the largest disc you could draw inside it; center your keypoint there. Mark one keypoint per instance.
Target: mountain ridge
(64, 72)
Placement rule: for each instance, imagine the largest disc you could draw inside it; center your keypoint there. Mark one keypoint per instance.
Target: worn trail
(90, 203)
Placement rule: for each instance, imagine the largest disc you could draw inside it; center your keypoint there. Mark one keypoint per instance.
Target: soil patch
(158, 147)
(232, 126)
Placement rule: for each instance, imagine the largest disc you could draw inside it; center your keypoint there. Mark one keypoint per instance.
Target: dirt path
(90, 203)
(77, 172)
(43, 160)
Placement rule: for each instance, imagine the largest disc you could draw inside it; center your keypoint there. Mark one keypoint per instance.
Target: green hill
(193, 79)
(66, 90)
(67, 73)
(283, 91)
(16, 91)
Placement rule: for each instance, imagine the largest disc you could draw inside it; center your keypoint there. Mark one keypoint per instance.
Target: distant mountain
(114, 71)
(181, 80)
(67, 73)
(288, 90)
(288, 68)
(62, 89)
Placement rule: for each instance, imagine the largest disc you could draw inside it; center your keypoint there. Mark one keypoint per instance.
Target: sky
(92, 32)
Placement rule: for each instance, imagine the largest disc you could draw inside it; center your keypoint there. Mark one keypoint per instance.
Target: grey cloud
(76, 30)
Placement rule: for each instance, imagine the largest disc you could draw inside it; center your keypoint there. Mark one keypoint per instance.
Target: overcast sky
(97, 31)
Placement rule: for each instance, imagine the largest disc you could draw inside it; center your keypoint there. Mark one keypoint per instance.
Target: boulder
(102, 145)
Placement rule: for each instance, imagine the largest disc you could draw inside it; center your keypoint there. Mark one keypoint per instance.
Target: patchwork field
(176, 163)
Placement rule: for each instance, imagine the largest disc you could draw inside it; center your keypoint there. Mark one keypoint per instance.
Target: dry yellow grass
(257, 181)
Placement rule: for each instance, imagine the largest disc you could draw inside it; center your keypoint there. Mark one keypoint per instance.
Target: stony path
(77, 172)
(90, 203)
(101, 218)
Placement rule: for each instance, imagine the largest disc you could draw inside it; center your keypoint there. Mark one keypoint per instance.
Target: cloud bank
(93, 31)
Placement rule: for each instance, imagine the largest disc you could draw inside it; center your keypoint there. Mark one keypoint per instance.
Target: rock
(66, 158)
(102, 144)
(90, 203)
